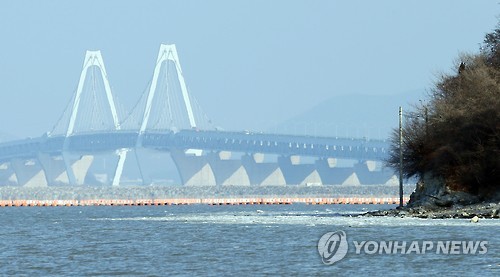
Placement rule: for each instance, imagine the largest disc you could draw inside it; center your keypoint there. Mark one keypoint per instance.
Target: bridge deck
(359, 149)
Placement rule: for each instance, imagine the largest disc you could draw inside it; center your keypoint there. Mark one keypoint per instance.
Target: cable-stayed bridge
(168, 119)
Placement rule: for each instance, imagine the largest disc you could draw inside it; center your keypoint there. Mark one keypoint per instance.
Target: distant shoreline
(206, 201)
(171, 192)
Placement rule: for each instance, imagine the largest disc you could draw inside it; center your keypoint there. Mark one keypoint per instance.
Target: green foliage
(456, 135)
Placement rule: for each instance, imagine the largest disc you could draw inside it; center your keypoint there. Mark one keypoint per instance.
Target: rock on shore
(480, 210)
(432, 199)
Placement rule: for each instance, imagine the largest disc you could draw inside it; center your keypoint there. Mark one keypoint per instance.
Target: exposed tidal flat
(160, 192)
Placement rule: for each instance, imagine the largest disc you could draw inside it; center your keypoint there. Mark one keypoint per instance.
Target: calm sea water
(224, 240)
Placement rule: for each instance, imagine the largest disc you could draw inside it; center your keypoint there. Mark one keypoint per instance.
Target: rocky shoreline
(474, 211)
(433, 199)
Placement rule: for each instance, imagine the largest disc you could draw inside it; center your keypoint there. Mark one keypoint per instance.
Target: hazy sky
(250, 64)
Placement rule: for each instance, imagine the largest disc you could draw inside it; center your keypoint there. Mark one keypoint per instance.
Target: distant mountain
(352, 115)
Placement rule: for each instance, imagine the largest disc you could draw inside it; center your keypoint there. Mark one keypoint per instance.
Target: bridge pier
(333, 175)
(366, 173)
(7, 175)
(262, 174)
(369, 173)
(81, 167)
(122, 155)
(77, 171)
(54, 168)
(352, 180)
(193, 170)
(29, 173)
(228, 172)
(299, 174)
(69, 171)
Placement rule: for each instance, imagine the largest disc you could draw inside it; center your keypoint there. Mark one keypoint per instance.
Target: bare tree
(458, 138)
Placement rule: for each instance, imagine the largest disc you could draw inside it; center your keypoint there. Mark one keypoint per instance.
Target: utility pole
(400, 156)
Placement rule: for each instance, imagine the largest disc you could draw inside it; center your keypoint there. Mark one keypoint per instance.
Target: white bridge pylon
(167, 53)
(94, 62)
(94, 58)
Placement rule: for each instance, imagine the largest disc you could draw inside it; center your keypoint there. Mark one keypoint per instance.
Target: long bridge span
(168, 119)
